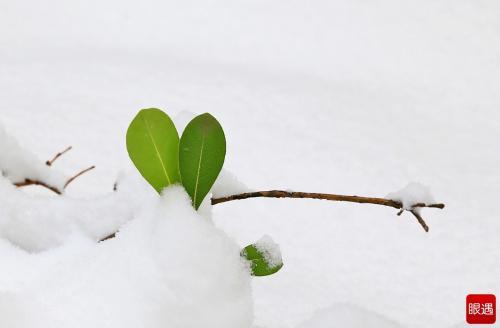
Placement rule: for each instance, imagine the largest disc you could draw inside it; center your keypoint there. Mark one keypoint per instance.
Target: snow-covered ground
(350, 97)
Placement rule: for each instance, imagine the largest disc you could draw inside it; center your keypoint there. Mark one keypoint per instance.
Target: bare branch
(78, 175)
(420, 220)
(313, 195)
(50, 162)
(333, 197)
(29, 182)
(438, 205)
(111, 236)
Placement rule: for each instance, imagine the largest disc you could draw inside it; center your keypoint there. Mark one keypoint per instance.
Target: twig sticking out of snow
(32, 182)
(77, 175)
(29, 182)
(420, 220)
(333, 197)
(51, 161)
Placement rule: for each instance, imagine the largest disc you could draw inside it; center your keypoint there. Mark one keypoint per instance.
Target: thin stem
(51, 161)
(29, 182)
(314, 195)
(420, 220)
(77, 175)
(332, 197)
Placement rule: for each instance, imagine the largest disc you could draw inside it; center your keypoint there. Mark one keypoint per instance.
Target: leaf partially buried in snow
(153, 146)
(264, 257)
(201, 155)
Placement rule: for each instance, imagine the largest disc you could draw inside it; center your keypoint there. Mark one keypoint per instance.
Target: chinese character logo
(481, 309)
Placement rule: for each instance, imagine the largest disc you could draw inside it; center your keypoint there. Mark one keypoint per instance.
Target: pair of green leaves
(195, 160)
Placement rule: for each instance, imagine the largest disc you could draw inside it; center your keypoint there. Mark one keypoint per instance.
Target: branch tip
(420, 220)
(78, 175)
(51, 161)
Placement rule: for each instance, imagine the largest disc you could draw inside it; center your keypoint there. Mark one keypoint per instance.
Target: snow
(270, 250)
(350, 97)
(168, 266)
(413, 193)
(18, 164)
(348, 315)
(38, 222)
(227, 184)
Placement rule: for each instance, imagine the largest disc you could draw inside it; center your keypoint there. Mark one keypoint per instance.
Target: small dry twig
(33, 182)
(77, 175)
(420, 219)
(111, 236)
(51, 161)
(29, 182)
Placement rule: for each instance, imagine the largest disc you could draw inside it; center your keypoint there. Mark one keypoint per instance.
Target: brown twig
(332, 197)
(111, 236)
(29, 182)
(32, 182)
(51, 161)
(420, 219)
(77, 175)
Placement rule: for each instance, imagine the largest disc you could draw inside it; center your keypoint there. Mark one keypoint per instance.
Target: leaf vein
(148, 128)
(198, 171)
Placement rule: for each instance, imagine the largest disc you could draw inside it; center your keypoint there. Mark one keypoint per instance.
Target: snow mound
(342, 315)
(412, 194)
(37, 223)
(227, 184)
(18, 164)
(168, 267)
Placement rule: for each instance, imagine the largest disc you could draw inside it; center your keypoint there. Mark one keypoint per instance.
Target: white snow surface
(41, 222)
(351, 97)
(18, 164)
(167, 267)
(227, 184)
(347, 315)
(413, 193)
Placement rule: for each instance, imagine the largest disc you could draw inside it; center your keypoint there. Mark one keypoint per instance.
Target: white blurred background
(355, 97)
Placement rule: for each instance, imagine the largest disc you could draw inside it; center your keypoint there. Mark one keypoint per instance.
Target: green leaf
(201, 155)
(263, 261)
(153, 146)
